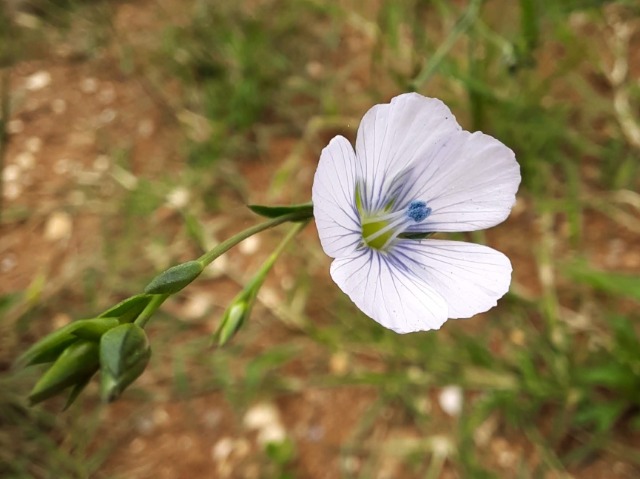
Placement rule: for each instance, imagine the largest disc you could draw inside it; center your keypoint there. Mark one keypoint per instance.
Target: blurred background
(136, 131)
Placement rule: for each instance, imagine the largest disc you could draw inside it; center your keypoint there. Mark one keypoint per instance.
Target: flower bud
(175, 278)
(77, 363)
(50, 347)
(233, 319)
(124, 354)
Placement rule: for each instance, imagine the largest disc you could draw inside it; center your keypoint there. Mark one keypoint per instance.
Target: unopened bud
(174, 279)
(124, 354)
(50, 347)
(232, 320)
(75, 365)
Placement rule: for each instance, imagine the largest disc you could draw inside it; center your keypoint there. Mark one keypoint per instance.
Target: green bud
(129, 309)
(175, 278)
(75, 365)
(51, 346)
(233, 319)
(124, 354)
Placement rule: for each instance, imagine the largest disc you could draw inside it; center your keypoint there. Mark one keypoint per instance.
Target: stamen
(418, 211)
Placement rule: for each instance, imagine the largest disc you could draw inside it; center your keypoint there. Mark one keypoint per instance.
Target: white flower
(414, 171)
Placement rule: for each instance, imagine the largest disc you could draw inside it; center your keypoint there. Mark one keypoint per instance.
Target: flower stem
(299, 216)
(151, 308)
(270, 261)
(225, 246)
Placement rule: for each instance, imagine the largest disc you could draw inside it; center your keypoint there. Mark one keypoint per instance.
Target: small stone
(10, 173)
(222, 449)
(339, 363)
(451, 400)
(38, 81)
(261, 415)
(272, 433)
(179, 198)
(58, 226)
(250, 245)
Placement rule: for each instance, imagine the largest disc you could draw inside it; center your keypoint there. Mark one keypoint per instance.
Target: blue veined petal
(392, 137)
(469, 183)
(470, 277)
(388, 290)
(333, 196)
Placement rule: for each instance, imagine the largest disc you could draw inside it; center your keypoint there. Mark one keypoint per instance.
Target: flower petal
(469, 184)
(392, 136)
(470, 277)
(389, 291)
(333, 196)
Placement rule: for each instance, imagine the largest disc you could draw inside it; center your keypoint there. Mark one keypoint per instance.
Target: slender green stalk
(151, 308)
(273, 257)
(240, 308)
(225, 246)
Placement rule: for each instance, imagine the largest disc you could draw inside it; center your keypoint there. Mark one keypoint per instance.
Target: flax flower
(414, 172)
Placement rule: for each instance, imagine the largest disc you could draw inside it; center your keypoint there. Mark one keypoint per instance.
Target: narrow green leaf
(305, 210)
(175, 278)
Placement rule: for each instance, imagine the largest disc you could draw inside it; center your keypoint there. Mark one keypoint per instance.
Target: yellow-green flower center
(369, 230)
(381, 228)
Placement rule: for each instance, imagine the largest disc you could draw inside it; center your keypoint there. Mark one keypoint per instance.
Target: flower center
(380, 230)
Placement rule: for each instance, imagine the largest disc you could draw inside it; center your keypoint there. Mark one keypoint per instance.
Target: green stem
(270, 261)
(151, 308)
(225, 246)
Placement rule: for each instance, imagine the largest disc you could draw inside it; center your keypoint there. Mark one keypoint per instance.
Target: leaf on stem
(305, 211)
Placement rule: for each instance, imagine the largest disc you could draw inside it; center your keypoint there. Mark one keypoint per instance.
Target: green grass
(555, 369)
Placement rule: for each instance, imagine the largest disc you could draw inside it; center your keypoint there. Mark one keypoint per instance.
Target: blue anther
(418, 211)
